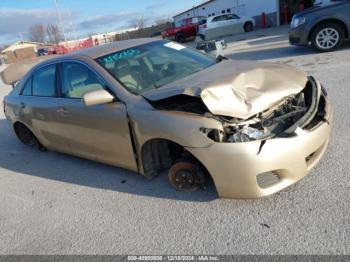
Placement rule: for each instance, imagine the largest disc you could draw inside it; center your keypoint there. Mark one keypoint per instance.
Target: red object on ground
(263, 20)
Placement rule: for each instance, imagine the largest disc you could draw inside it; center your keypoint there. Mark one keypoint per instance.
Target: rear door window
(27, 88)
(202, 22)
(44, 82)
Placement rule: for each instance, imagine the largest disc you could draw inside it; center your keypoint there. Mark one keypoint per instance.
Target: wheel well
(159, 154)
(18, 126)
(336, 21)
(23, 132)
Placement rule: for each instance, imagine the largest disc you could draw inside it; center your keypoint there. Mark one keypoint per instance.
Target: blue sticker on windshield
(120, 55)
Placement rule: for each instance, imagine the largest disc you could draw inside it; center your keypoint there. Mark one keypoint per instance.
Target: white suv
(226, 23)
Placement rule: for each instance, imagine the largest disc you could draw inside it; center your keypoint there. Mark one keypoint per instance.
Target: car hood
(238, 89)
(317, 8)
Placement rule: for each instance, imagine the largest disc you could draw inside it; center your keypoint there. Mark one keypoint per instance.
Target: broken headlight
(246, 134)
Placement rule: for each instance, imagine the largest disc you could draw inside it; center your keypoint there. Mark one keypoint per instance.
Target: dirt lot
(57, 204)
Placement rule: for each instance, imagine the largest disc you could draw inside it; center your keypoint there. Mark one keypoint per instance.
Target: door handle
(62, 110)
(22, 105)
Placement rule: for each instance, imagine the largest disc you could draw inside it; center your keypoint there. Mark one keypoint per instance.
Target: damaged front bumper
(261, 168)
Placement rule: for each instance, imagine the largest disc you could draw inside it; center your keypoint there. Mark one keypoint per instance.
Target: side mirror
(97, 97)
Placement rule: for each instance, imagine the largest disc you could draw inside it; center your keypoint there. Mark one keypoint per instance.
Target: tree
(54, 33)
(138, 23)
(162, 21)
(37, 33)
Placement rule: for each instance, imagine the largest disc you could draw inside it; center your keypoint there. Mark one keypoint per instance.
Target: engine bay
(281, 120)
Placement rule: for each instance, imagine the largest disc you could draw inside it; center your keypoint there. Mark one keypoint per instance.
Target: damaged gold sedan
(149, 105)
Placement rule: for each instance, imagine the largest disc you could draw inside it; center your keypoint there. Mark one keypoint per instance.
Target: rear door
(98, 132)
(39, 106)
(346, 14)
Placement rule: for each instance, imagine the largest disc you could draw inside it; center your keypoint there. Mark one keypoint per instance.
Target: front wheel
(186, 176)
(327, 37)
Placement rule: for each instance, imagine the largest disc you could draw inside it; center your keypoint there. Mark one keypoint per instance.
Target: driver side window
(77, 80)
(219, 18)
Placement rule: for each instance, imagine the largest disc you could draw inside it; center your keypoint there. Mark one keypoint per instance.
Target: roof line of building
(188, 10)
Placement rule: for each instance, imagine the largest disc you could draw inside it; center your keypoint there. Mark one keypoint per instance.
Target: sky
(83, 17)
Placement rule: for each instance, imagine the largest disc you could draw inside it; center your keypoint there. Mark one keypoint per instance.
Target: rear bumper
(236, 167)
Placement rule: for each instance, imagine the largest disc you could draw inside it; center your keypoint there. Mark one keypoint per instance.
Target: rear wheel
(27, 137)
(248, 26)
(327, 37)
(180, 37)
(186, 176)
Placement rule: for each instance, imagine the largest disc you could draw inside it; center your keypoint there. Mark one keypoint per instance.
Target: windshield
(149, 66)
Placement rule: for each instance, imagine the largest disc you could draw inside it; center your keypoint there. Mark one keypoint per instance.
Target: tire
(327, 37)
(27, 137)
(248, 27)
(180, 38)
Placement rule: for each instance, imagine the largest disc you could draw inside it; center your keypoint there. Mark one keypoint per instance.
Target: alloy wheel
(327, 38)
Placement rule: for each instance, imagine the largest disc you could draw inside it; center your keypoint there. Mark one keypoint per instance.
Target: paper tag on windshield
(175, 46)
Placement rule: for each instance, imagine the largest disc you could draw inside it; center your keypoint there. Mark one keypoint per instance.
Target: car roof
(101, 50)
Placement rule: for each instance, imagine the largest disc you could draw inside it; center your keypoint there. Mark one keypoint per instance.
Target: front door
(98, 132)
(235, 23)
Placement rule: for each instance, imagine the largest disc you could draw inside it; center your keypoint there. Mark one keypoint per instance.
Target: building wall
(153, 31)
(20, 54)
(252, 8)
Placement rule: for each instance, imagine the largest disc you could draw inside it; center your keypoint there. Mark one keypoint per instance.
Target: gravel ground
(57, 204)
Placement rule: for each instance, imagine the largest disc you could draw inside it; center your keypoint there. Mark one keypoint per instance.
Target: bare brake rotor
(186, 176)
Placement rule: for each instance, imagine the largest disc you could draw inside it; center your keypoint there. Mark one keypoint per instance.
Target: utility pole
(20, 36)
(60, 21)
(72, 26)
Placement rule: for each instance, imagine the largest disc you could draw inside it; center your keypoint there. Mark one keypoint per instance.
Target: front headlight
(297, 22)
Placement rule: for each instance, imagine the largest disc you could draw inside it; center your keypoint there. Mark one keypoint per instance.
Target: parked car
(325, 27)
(188, 29)
(153, 105)
(230, 23)
(43, 51)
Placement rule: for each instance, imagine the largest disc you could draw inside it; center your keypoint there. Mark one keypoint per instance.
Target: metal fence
(72, 46)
